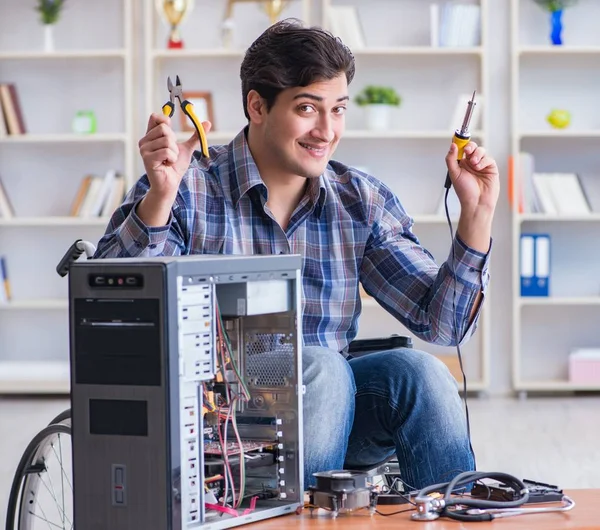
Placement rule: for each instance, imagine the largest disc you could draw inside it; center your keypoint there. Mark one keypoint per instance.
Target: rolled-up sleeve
(430, 300)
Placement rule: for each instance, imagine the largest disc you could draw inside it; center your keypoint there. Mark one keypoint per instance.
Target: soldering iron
(472, 508)
(461, 139)
(462, 136)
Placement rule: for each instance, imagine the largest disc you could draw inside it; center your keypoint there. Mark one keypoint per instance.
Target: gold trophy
(174, 12)
(273, 8)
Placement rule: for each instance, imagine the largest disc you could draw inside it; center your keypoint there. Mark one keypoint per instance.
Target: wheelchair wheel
(63, 417)
(41, 495)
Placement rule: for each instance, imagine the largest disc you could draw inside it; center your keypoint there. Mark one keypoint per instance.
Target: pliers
(176, 92)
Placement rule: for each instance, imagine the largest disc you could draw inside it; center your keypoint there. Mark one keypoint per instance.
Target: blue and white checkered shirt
(349, 228)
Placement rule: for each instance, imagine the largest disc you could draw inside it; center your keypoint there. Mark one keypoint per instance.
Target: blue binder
(535, 264)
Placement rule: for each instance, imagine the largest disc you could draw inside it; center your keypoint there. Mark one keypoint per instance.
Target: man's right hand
(165, 162)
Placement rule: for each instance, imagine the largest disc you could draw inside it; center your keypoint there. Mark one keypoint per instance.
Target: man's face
(304, 126)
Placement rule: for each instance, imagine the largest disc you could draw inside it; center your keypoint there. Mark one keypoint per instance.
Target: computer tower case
(186, 391)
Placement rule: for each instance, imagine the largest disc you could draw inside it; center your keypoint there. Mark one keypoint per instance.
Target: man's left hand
(475, 178)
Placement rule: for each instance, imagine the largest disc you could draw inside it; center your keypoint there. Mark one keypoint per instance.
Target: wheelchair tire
(27, 476)
(62, 417)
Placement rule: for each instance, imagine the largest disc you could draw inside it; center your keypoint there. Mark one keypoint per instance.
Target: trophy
(174, 12)
(273, 8)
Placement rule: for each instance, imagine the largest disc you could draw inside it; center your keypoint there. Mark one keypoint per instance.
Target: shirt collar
(244, 174)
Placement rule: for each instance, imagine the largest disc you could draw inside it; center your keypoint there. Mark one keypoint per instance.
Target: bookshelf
(409, 157)
(546, 329)
(99, 66)
(91, 68)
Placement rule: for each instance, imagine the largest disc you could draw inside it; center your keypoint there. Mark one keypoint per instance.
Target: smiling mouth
(314, 149)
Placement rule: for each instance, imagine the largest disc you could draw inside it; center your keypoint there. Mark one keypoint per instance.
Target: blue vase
(556, 21)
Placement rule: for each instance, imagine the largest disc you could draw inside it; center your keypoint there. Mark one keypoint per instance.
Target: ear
(257, 108)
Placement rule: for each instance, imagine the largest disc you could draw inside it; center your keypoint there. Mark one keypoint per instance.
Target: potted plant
(378, 102)
(49, 11)
(555, 8)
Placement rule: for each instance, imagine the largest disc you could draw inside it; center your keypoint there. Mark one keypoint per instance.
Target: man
(275, 190)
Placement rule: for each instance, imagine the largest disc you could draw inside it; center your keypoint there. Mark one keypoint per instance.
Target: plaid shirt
(349, 228)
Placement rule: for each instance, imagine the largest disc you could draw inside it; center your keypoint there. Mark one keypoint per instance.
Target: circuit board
(233, 448)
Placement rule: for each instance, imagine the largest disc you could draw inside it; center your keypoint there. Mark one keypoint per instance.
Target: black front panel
(117, 342)
(119, 417)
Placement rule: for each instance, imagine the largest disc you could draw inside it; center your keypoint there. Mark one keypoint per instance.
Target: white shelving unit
(91, 68)
(410, 156)
(544, 76)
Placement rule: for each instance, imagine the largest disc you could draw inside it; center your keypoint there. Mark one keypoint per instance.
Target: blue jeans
(359, 412)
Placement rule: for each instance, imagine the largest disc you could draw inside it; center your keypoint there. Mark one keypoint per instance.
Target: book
(561, 194)
(11, 109)
(6, 209)
(345, 24)
(534, 264)
(460, 25)
(17, 108)
(5, 286)
(80, 195)
(117, 193)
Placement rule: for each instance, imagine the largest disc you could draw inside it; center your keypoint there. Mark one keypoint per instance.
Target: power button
(119, 485)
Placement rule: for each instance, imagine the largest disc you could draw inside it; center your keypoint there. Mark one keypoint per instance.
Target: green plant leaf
(49, 10)
(377, 95)
(555, 5)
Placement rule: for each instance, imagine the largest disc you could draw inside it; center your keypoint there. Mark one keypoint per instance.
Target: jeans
(358, 412)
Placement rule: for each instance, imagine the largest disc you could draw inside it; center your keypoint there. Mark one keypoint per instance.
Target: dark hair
(289, 55)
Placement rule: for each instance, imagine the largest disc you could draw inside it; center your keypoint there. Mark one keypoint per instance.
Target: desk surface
(584, 516)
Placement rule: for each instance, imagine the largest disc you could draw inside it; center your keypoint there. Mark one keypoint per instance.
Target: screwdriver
(462, 136)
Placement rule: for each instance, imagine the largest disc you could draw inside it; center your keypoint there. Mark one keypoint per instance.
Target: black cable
(394, 491)
(455, 323)
(448, 501)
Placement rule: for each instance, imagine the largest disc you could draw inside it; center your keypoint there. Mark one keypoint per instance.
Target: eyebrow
(308, 95)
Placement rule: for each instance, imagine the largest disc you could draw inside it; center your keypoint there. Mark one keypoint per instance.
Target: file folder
(535, 264)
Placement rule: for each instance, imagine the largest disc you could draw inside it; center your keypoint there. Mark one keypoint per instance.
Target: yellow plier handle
(188, 110)
(168, 109)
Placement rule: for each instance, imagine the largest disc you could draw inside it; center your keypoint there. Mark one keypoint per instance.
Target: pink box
(584, 366)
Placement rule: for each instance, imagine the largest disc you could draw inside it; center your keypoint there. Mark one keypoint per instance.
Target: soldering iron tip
(473, 98)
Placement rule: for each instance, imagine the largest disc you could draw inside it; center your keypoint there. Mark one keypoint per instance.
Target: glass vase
(556, 26)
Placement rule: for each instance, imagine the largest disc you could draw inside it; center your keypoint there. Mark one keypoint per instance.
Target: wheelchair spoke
(64, 476)
(53, 495)
(45, 477)
(45, 519)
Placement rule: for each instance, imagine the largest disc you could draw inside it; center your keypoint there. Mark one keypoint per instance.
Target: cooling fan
(342, 491)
